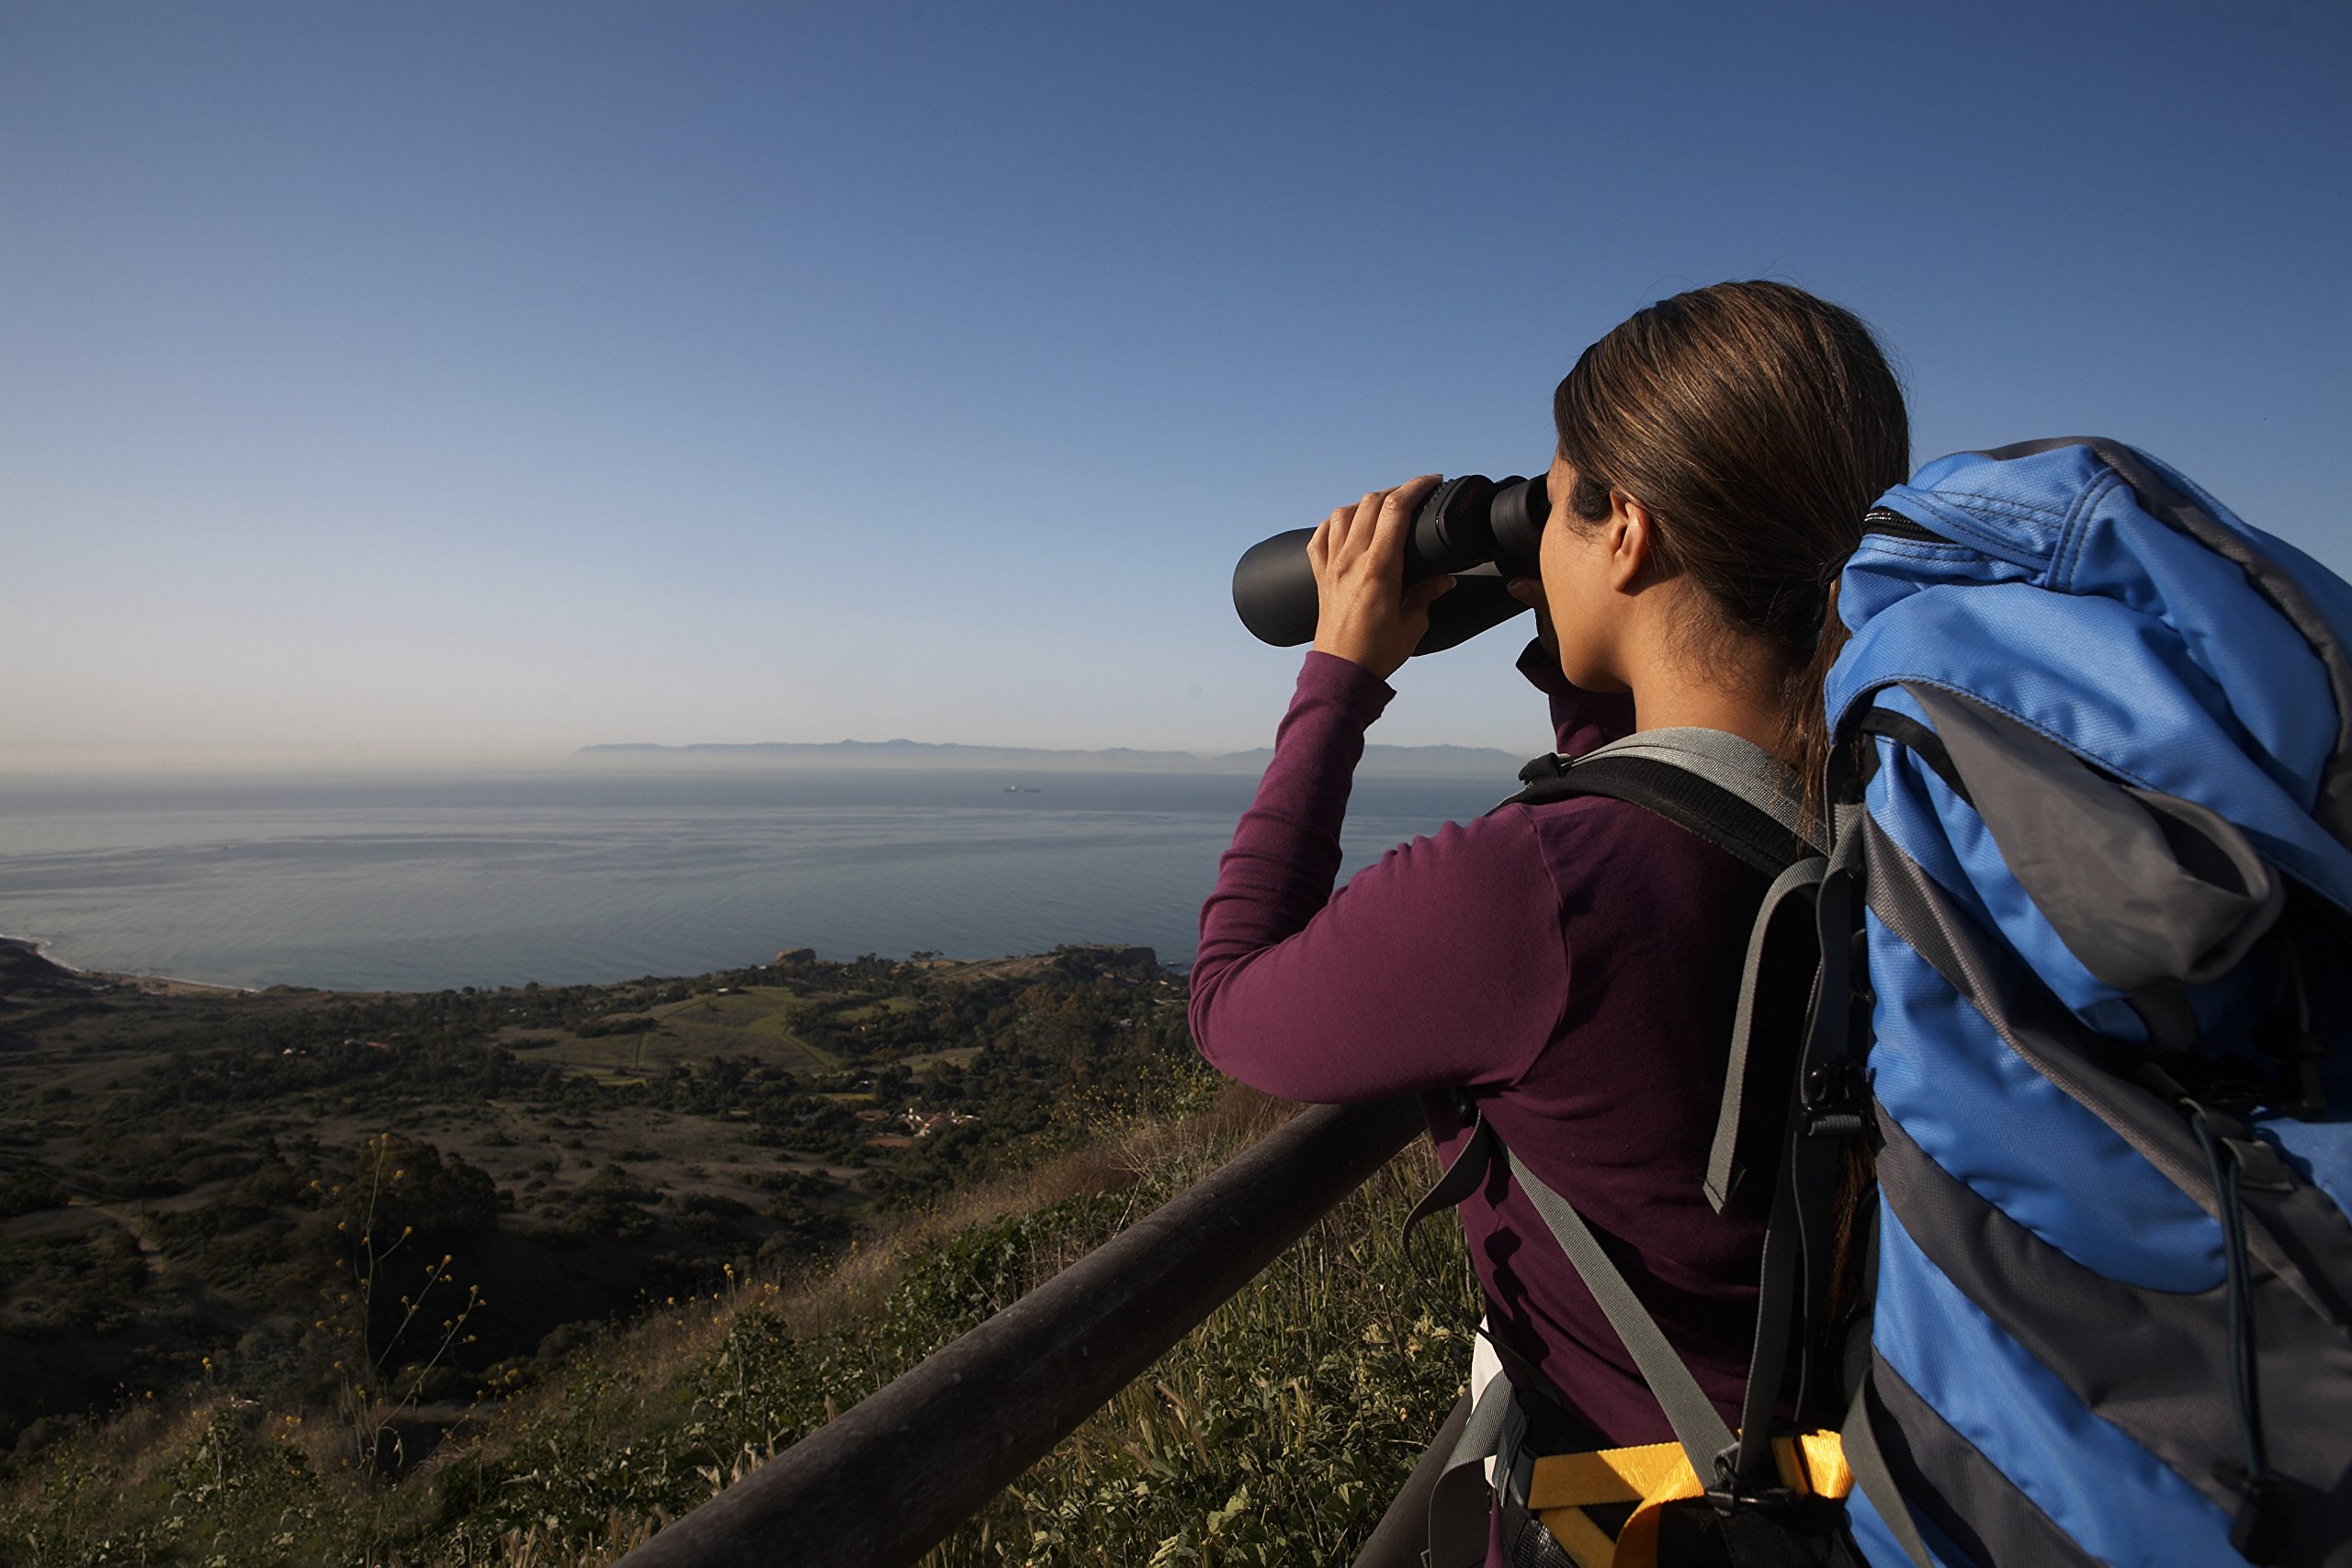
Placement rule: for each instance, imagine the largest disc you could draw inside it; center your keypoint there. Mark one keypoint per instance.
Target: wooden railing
(895, 1474)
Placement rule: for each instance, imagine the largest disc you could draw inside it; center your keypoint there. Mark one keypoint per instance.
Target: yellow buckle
(1651, 1476)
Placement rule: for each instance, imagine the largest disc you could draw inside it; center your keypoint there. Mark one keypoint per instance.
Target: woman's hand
(1528, 591)
(1364, 613)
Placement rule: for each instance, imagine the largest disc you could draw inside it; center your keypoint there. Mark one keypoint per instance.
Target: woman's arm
(1443, 963)
(1446, 962)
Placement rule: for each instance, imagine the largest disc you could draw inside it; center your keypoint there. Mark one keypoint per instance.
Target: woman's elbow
(1246, 1047)
(1203, 1015)
(1220, 1037)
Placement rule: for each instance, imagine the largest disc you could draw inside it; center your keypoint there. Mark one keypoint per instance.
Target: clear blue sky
(502, 378)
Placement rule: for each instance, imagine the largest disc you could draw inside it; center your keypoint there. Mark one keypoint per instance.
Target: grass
(865, 1011)
(1275, 1433)
(954, 1057)
(756, 1021)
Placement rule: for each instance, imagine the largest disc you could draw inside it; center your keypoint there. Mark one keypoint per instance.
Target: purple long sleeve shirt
(1574, 966)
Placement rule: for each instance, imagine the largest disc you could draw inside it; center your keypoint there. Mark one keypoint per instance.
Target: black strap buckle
(1727, 1493)
(1834, 1094)
(2259, 1165)
(2258, 1530)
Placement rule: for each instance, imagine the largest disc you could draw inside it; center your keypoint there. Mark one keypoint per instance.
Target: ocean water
(423, 882)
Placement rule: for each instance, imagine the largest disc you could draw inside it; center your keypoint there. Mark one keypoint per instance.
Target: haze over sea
(426, 882)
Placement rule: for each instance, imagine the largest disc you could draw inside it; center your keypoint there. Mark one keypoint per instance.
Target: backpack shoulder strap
(1735, 796)
(1728, 791)
(1702, 1433)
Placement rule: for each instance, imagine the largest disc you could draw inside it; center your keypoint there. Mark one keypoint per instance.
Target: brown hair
(1756, 424)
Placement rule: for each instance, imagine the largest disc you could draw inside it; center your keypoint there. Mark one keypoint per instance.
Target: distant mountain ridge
(1483, 760)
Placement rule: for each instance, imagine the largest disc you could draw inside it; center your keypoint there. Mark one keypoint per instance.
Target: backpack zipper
(1879, 520)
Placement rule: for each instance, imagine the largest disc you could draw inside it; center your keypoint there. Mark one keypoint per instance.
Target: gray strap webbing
(1798, 879)
(1454, 1184)
(1697, 1427)
(1726, 761)
(2148, 890)
(1846, 837)
(1867, 1463)
(1460, 1502)
(1767, 1357)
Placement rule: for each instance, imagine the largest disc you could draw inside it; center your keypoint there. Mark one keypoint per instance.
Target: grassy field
(1274, 1434)
(193, 1182)
(753, 1021)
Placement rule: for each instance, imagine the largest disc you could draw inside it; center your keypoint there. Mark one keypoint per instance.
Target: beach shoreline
(151, 985)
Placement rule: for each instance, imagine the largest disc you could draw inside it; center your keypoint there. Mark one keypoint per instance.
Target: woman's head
(1755, 424)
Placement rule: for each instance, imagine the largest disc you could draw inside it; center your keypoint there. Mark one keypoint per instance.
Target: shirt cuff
(1357, 690)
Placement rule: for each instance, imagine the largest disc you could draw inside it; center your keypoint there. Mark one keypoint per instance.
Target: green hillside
(1274, 1434)
(511, 1277)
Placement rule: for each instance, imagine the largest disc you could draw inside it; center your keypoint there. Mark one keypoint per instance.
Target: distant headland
(1485, 760)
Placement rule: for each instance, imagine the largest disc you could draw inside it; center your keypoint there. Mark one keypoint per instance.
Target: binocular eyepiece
(1482, 531)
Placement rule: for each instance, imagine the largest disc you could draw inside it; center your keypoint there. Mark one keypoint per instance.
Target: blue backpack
(2098, 846)
(2073, 961)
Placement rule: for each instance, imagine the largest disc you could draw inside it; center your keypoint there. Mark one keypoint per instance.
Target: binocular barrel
(1482, 531)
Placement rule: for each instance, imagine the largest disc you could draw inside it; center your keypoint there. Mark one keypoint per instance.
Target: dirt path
(158, 1265)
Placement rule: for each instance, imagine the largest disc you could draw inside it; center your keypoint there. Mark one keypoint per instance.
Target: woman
(1574, 967)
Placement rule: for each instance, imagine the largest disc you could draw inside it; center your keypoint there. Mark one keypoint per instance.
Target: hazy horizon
(849, 753)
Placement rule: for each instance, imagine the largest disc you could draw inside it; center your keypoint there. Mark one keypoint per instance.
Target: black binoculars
(1482, 531)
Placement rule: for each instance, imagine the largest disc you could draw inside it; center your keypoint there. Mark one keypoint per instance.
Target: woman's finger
(1428, 592)
(1357, 532)
(1334, 532)
(1528, 591)
(1394, 522)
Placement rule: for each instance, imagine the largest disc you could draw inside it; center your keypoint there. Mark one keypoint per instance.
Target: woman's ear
(1631, 538)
